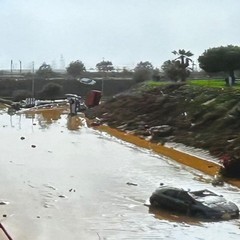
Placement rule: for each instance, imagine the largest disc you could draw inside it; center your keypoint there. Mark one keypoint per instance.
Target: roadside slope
(200, 117)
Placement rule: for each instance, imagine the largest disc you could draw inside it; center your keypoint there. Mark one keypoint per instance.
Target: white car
(87, 81)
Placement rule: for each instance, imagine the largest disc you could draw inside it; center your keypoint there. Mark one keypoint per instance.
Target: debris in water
(132, 184)
(49, 186)
(46, 205)
(62, 196)
(72, 190)
(217, 181)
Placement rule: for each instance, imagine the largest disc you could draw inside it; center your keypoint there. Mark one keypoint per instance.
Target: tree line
(218, 59)
(213, 60)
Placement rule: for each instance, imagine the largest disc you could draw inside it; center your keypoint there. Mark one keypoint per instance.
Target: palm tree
(182, 61)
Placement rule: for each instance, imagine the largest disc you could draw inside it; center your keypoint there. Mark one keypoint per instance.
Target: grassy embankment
(211, 83)
(199, 164)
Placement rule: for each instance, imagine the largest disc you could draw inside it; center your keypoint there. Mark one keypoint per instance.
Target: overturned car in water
(201, 204)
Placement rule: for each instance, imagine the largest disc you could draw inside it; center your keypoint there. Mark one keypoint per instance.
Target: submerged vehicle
(202, 203)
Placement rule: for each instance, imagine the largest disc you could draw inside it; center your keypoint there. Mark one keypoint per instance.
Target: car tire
(154, 202)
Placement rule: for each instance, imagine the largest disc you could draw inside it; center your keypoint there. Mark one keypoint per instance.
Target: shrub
(142, 75)
(51, 91)
(19, 95)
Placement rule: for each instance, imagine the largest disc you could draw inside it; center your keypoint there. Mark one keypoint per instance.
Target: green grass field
(216, 83)
(212, 83)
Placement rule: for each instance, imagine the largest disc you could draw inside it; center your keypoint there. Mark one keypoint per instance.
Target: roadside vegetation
(211, 83)
(201, 117)
(223, 59)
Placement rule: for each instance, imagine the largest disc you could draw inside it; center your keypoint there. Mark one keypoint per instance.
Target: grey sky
(122, 31)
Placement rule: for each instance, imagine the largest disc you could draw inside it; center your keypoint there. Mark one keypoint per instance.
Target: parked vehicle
(87, 81)
(202, 203)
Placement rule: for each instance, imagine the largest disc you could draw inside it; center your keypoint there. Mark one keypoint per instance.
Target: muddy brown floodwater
(62, 180)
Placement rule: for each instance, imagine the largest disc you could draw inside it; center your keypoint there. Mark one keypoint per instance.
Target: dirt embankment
(205, 118)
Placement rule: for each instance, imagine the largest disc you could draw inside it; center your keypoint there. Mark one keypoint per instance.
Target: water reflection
(30, 115)
(162, 214)
(44, 117)
(73, 122)
(50, 115)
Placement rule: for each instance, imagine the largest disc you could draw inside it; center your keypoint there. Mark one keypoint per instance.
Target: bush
(19, 95)
(51, 91)
(142, 75)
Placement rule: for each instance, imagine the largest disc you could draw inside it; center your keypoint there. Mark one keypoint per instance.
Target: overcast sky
(122, 31)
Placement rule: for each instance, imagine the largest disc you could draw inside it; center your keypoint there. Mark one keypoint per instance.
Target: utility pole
(193, 66)
(33, 81)
(62, 63)
(11, 68)
(20, 62)
(104, 75)
(102, 84)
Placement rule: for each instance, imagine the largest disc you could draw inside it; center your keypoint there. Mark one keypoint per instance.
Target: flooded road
(62, 180)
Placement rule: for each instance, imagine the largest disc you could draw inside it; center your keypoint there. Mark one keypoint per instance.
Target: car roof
(195, 194)
(207, 197)
(203, 193)
(166, 188)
